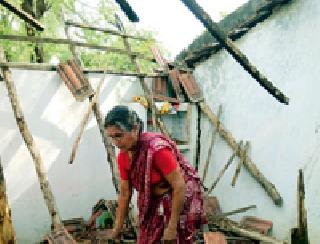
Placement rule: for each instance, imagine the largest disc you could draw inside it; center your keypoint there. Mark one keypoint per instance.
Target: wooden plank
(23, 15)
(211, 146)
(61, 41)
(248, 163)
(227, 43)
(30, 143)
(236, 211)
(105, 30)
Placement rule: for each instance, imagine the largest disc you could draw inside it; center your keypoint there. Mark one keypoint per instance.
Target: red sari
(152, 219)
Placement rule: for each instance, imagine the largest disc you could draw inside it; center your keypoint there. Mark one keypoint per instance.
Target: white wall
(53, 117)
(284, 139)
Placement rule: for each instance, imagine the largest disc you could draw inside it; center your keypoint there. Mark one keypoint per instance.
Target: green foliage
(77, 11)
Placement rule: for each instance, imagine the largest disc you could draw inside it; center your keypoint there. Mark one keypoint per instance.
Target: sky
(174, 25)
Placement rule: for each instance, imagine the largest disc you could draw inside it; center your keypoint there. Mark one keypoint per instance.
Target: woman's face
(122, 139)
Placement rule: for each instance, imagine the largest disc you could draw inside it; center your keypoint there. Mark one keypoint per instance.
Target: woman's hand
(169, 234)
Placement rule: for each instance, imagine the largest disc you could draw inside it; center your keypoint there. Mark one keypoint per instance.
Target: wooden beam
(248, 163)
(236, 211)
(51, 67)
(128, 10)
(104, 30)
(227, 43)
(300, 234)
(23, 15)
(7, 234)
(213, 137)
(32, 147)
(62, 41)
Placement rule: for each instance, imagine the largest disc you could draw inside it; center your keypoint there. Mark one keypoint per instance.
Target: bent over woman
(170, 200)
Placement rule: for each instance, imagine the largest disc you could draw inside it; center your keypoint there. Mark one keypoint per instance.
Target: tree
(48, 12)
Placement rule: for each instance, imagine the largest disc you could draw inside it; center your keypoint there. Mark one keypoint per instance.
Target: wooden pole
(236, 211)
(35, 39)
(109, 31)
(51, 67)
(243, 156)
(251, 167)
(29, 141)
(213, 137)
(85, 120)
(7, 234)
(23, 15)
(226, 166)
(300, 234)
(227, 43)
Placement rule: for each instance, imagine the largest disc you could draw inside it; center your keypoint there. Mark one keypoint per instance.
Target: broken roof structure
(283, 139)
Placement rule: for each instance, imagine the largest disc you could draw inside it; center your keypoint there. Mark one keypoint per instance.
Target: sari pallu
(155, 212)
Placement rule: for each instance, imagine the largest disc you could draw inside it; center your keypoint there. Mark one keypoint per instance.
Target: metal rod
(227, 43)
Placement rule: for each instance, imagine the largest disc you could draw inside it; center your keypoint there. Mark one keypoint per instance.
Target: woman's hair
(123, 117)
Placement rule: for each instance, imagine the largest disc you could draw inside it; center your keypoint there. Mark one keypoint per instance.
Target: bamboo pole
(226, 166)
(23, 15)
(109, 31)
(248, 163)
(51, 67)
(35, 39)
(30, 143)
(85, 120)
(227, 43)
(243, 156)
(213, 137)
(7, 234)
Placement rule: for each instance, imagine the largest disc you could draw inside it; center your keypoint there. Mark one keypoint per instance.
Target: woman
(170, 201)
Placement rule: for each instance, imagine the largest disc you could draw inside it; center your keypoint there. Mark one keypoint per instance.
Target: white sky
(174, 24)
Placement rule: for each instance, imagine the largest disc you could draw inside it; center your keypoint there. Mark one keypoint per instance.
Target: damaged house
(247, 142)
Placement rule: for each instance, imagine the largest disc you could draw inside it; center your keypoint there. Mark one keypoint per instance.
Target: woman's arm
(123, 205)
(178, 186)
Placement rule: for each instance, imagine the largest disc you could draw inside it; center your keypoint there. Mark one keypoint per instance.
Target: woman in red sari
(170, 199)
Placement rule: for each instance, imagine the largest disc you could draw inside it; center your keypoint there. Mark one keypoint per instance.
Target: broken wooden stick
(7, 234)
(243, 156)
(85, 120)
(225, 167)
(227, 225)
(30, 143)
(236, 211)
(227, 43)
(300, 234)
(251, 167)
(213, 136)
